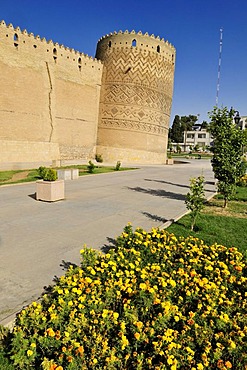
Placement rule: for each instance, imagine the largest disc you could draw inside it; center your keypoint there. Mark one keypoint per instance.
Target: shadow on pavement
(155, 217)
(168, 182)
(159, 193)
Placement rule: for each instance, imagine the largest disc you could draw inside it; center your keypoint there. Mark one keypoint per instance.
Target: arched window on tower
(109, 44)
(158, 49)
(134, 43)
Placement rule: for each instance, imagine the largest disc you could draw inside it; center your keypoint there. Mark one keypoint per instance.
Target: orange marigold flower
(220, 364)
(70, 358)
(190, 321)
(228, 364)
(238, 268)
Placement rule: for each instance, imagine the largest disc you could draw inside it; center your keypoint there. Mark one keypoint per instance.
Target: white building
(243, 123)
(202, 138)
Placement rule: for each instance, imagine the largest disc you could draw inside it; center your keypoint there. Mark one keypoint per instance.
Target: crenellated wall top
(24, 37)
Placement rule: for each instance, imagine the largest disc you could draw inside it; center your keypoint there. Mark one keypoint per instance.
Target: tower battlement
(137, 40)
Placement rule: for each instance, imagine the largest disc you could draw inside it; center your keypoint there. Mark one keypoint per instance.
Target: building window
(16, 37)
(201, 136)
(134, 43)
(190, 136)
(109, 44)
(158, 49)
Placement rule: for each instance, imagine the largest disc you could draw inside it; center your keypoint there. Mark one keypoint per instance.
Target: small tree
(176, 133)
(195, 198)
(227, 151)
(196, 148)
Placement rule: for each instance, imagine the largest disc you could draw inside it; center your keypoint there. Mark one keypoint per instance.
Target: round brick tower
(136, 97)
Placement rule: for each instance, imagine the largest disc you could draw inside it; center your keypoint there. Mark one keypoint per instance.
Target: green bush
(50, 175)
(90, 167)
(118, 165)
(47, 174)
(153, 302)
(99, 158)
(41, 171)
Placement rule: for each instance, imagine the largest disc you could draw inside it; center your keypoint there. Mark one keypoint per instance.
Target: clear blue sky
(192, 26)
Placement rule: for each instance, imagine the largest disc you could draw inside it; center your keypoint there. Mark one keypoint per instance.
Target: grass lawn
(192, 155)
(7, 175)
(20, 176)
(216, 224)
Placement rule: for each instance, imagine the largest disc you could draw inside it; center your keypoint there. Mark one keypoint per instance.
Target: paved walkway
(37, 239)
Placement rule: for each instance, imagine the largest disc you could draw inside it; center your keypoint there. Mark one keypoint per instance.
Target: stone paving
(38, 239)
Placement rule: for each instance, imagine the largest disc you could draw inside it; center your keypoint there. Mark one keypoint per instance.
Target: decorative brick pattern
(137, 88)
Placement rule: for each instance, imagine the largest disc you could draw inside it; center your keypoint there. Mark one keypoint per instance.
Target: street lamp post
(237, 118)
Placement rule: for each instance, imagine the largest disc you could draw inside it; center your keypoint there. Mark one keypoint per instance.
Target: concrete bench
(68, 174)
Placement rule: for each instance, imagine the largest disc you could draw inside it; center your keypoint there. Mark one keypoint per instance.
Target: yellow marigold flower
(115, 315)
(95, 360)
(29, 352)
(50, 332)
(137, 336)
(170, 359)
(232, 344)
(123, 326)
(105, 313)
(125, 341)
(33, 345)
(189, 350)
(66, 334)
(143, 286)
(200, 366)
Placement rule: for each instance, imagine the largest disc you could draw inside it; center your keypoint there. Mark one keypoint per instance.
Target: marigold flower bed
(153, 302)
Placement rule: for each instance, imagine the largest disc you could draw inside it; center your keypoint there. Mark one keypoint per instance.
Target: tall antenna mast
(218, 80)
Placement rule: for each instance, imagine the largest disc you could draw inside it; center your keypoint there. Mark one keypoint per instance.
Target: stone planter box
(68, 174)
(49, 191)
(170, 161)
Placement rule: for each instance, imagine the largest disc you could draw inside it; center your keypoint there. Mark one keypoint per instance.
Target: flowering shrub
(242, 181)
(153, 302)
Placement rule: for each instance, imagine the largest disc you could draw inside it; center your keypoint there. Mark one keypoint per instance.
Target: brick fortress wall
(49, 98)
(57, 103)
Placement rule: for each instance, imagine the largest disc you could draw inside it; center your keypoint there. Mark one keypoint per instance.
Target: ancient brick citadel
(59, 104)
